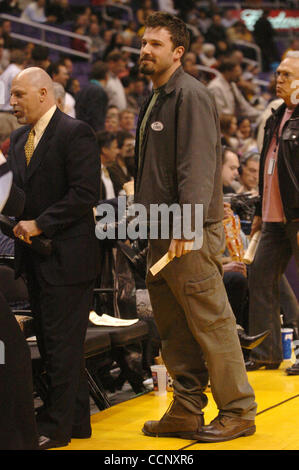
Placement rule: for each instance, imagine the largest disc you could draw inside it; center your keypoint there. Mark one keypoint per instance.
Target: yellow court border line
(259, 413)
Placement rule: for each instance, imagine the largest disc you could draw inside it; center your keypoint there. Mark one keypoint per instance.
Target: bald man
(54, 159)
(277, 216)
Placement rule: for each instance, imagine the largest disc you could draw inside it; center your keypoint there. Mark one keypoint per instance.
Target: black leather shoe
(250, 342)
(45, 443)
(254, 365)
(81, 434)
(293, 370)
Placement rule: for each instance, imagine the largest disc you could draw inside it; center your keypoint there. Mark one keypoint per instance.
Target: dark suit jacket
(118, 177)
(61, 185)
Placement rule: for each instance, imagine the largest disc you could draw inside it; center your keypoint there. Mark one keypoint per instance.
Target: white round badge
(157, 126)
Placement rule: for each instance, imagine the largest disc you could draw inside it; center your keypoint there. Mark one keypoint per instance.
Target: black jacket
(91, 106)
(180, 159)
(287, 161)
(61, 185)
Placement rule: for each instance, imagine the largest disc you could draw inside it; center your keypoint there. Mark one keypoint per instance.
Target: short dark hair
(114, 56)
(40, 52)
(53, 68)
(122, 136)
(227, 65)
(105, 139)
(99, 70)
(17, 56)
(177, 28)
(225, 122)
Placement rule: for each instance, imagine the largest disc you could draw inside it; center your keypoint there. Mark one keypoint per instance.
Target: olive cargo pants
(198, 329)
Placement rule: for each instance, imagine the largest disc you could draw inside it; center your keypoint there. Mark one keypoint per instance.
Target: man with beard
(178, 157)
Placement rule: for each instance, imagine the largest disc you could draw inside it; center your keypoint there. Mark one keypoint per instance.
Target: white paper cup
(287, 338)
(159, 374)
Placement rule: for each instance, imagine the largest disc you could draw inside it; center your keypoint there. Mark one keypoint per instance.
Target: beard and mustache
(146, 67)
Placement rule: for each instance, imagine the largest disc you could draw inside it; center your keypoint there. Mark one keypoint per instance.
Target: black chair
(97, 353)
(123, 341)
(97, 346)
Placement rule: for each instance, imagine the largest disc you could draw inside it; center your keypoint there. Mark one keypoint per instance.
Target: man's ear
(179, 52)
(43, 93)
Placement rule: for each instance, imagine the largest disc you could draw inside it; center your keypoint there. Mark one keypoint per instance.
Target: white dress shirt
(69, 105)
(116, 93)
(34, 13)
(107, 183)
(6, 79)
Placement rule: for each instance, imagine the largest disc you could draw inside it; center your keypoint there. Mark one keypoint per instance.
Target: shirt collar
(42, 123)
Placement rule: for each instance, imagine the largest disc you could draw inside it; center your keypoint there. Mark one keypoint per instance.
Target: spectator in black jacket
(92, 100)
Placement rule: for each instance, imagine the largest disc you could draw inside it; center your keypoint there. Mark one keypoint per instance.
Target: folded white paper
(31, 339)
(107, 320)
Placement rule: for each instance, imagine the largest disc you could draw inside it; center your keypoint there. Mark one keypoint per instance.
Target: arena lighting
(280, 20)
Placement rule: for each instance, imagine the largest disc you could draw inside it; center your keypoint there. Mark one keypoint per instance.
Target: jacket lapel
(43, 145)
(21, 158)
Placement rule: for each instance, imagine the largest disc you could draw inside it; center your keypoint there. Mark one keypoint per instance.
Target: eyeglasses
(284, 75)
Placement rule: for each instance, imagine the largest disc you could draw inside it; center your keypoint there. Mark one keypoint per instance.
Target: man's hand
(256, 225)
(179, 247)
(26, 229)
(235, 266)
(227, 210)
(129, 188)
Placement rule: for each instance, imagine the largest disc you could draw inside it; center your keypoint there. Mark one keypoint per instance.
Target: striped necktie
(29, 146)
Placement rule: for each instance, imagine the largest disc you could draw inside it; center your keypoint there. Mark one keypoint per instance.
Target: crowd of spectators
(111, 99)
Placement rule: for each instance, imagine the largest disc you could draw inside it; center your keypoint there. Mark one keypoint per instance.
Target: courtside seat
(97, 353)
(96, 341)
(123, 340)
(124, 335)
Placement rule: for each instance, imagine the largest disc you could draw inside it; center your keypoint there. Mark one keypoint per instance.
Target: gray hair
(293, 54)
(59, 92)
(251, 155)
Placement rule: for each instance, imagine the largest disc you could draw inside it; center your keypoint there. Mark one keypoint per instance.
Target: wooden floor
(277, 421)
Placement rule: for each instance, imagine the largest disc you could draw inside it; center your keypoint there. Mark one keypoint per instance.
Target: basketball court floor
(277, 421)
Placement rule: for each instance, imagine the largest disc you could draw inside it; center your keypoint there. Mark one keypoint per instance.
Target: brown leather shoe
(225, 428)
(176, 422)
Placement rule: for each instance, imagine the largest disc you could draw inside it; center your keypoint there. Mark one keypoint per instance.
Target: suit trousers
(198, 329)
(277, 245)
(61, 317)
(236, 286)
